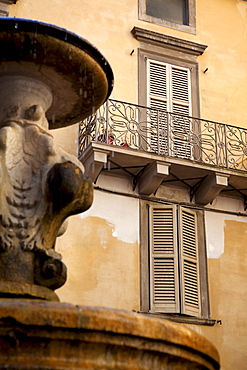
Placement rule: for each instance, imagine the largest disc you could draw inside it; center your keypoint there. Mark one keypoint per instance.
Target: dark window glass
(171, 10)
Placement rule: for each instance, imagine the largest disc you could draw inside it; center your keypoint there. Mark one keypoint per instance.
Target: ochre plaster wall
(102, 255)
(228, 296)
(222, 25)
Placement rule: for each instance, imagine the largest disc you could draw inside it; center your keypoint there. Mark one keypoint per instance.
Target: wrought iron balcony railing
(166, 134)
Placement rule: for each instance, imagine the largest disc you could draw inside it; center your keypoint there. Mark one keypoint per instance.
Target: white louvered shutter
(164, 281)
(180, 93)
(190, 292)
(169, 90)
(157, 99)
(180, 90)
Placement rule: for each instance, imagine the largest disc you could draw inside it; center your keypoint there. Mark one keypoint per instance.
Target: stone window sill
(183, 319)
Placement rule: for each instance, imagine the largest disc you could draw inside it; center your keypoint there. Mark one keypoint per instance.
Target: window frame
(171, 50)
(170, 57)
(169, 96)
(175, 58)
(190, 28)
(145, 263)
(170, 89)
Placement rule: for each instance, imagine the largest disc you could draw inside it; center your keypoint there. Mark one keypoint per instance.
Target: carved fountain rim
(77, 73)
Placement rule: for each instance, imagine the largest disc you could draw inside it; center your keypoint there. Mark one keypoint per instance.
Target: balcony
(153, 146)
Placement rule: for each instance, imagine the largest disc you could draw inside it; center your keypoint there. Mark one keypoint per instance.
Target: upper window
(168, 82)
(171, 10)
(168, 72)
(178, 14)
(168, 87)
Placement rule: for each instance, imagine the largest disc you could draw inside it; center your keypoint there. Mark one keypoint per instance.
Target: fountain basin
(49, 335)
(77, 74)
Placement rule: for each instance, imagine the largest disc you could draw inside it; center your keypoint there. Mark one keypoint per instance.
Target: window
(178, 14)
(169, 89)
(171, 10)
(174, 283)
(173, 260)
(168, 81)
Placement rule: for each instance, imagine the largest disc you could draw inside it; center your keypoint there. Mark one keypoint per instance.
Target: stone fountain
(51, 78)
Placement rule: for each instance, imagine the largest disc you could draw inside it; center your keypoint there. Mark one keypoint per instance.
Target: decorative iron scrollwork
(157, 131)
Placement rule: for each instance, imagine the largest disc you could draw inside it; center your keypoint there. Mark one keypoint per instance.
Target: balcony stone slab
(148, 171)
(138, 166)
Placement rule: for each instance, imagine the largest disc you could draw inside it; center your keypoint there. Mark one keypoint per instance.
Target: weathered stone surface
(41, 186)
(21, 290)
(61, 336)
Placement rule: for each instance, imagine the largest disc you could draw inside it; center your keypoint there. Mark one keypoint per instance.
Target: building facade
(167, 231)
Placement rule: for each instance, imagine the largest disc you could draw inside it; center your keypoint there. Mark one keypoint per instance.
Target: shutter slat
(180, 84)
(163, 260)
(158, 118)
(180, 109)
(180, 126)
(164, 284)
(157, 99)
(189, 262)
(158, 79)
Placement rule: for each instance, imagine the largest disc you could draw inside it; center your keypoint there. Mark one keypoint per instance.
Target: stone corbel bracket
(93, 163)
(210, 188)
(152, 177)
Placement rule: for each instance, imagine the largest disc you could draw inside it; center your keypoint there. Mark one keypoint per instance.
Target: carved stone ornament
(41, 185)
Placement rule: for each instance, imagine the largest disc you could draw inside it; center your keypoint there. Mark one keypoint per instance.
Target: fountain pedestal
(41, 186)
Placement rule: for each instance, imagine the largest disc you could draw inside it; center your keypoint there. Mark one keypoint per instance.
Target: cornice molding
(162, 40)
